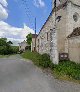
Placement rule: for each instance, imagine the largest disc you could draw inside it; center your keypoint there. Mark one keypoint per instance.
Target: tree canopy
(29, 38)
(6, 48)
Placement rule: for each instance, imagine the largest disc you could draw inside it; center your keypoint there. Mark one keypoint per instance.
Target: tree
(29, 38)
(3, 41)
(9, 42)
(5, 47)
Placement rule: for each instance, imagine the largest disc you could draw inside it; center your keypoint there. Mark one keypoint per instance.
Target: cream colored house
(53, 36)
(23, 46)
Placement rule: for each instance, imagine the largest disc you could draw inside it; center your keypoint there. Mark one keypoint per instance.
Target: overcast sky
(17, 17)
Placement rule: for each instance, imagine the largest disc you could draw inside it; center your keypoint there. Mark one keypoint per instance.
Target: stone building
(53, 37)
(74, 45)
(23, 46)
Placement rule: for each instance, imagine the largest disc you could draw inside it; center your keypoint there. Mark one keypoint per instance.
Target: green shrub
(68, 68)
(64, 68)
(40, 60)
(5, 50)
(45, 61)
(15, 49)
(34, 56)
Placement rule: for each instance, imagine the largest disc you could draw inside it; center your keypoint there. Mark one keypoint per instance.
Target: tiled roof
(76, 32)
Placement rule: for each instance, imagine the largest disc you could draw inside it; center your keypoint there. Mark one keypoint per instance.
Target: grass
(65, 70)
(4, 56)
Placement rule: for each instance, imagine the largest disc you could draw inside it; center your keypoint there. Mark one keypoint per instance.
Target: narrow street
(19, 75)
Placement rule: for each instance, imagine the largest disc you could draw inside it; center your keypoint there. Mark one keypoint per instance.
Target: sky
(17, 17)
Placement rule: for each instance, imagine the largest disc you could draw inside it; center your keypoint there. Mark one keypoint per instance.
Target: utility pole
(35, 33)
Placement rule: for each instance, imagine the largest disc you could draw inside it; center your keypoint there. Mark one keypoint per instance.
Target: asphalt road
(18, 75)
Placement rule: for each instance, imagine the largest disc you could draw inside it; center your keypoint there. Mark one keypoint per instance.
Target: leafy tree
(29, 38)
(3, 41)
(6, 48)
(9, 42)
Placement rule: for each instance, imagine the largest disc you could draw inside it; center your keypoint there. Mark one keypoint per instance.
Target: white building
(23, 46)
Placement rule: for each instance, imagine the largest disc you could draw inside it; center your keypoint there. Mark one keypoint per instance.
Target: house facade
(53, 36)
(23, 46)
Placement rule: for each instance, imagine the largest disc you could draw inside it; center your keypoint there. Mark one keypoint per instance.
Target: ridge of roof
(75, 33)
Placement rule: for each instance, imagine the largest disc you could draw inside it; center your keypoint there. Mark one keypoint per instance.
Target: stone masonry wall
(43, 44)
(74, 49)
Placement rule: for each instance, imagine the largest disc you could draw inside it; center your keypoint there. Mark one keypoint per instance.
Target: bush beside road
(65, 70)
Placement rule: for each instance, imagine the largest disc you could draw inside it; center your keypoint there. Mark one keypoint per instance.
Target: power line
(29, 12)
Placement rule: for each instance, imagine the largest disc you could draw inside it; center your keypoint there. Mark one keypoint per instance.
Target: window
(47, 37)
(58, 18)
(38, 41)
(75, 17)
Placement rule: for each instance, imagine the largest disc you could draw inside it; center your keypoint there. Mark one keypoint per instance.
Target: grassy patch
(65, 70)
(39, 60)
(4, 56)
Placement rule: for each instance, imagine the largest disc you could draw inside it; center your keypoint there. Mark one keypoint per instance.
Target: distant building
(23, 46)
(33, 42)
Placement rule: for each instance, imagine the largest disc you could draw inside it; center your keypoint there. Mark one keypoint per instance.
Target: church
(60, 35)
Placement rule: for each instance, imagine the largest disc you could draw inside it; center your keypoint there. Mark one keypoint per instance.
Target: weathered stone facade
(52, 39)
(74, 49)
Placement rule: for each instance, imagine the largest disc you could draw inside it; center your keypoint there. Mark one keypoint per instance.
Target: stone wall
(70, 23)
(61, 29)
(74, 49)
(44, 39)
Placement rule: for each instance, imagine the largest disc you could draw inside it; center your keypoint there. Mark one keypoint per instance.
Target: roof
(34, 35)
(76, 32)
(24, 42)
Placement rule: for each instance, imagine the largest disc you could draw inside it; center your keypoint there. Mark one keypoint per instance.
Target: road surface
(19, 75)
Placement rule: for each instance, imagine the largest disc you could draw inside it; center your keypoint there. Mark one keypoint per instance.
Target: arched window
(76, 17)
